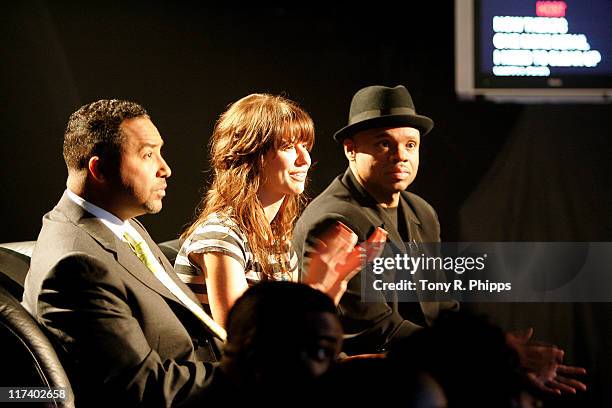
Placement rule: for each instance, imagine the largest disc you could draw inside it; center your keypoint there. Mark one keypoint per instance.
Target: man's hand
(543, 364)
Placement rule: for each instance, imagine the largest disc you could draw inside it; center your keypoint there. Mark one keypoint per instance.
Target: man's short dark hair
(93, 130)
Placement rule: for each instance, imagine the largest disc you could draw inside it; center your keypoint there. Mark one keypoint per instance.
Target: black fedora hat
(380, 106)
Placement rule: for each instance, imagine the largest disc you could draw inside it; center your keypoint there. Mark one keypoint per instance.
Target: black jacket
(370, 327)
(127, 340)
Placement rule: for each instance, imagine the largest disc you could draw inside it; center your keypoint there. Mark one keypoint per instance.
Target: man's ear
(95, 168)
(349, 148)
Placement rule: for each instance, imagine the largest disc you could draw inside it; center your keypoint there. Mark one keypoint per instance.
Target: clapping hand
(336, 259)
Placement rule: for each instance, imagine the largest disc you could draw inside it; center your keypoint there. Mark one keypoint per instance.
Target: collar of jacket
(365, 199)
(122, 253)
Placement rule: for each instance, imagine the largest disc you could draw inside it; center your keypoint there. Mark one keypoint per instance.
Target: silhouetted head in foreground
(280, 334)
(468, 357)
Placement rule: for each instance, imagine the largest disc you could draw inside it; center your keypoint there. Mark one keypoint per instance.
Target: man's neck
(95, 197)
(386, 201)
(384, 198)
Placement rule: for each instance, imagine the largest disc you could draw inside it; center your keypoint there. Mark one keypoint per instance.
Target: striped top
(219, 233)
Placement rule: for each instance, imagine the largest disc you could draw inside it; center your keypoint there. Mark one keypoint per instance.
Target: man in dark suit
(125, 323)
(381, 143)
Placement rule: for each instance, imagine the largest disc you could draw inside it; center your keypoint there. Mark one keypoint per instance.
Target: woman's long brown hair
(249, 129)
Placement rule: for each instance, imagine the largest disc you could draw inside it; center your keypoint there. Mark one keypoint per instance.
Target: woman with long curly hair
(260, 159)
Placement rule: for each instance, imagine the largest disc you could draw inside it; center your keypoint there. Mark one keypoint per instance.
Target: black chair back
(36, 363)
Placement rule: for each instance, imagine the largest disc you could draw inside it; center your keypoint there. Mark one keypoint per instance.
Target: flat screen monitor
(534, 50)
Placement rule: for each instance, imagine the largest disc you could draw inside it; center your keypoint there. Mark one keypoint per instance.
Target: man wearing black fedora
(381, 143)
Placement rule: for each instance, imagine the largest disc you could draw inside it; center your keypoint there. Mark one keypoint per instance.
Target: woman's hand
(337, 259)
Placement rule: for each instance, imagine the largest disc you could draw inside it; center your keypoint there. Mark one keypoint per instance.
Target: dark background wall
(493, 171)
(185, 62)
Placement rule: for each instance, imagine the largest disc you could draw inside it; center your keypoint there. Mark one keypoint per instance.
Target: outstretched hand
(543, 364)
(336, 259)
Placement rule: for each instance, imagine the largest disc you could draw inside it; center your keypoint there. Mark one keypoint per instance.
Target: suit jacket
(124, 336)
(370, 327)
